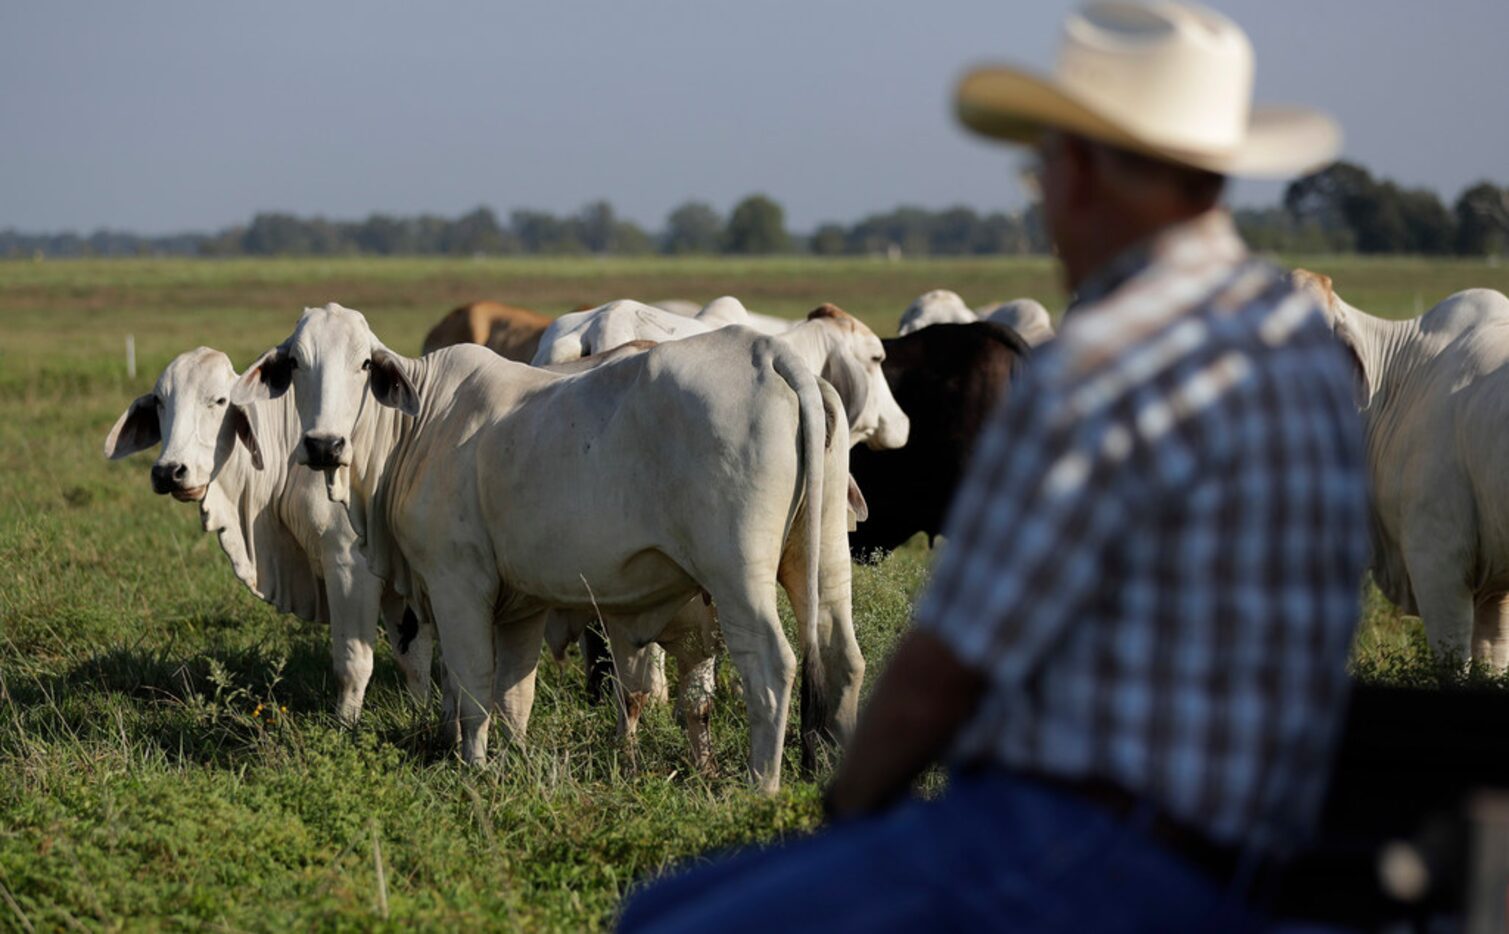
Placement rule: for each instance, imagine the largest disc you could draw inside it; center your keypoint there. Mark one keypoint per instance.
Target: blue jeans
(992, 853)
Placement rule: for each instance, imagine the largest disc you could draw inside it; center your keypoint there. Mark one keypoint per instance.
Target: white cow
(679, 306)
(1434, 393)
(834, 344)
(285, 540)
(940, 306)
(486, 490)
(725, 310)
(580, 334)
(1025, 316)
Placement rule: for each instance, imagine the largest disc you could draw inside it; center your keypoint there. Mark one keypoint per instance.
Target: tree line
(1340, 209)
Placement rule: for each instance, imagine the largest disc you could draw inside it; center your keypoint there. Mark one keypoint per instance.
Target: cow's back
(486, 323)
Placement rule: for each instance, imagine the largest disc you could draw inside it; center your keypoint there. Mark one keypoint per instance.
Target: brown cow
(510, 332)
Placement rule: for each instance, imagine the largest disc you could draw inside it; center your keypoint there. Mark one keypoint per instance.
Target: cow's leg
(413, 642)
(690, 639)
(355, 598)
(830, 681)
(633, 668)
(1446, 605)
(466, 626)
(559, 633)
(517, 647)
(1490, 633)
(751, 627)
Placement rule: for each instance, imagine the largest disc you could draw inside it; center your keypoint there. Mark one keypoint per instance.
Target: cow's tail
(814, 441)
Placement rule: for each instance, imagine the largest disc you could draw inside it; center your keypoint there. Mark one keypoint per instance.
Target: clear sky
(160, 116)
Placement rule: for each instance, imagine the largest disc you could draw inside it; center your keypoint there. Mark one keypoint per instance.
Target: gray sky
(162, 116)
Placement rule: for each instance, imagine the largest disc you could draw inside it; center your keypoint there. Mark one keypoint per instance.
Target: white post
(131, 356)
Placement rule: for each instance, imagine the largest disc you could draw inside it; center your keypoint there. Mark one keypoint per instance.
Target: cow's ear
(243, 426)
(390, 384)
(1362, 387)
(266, 379)
(859, 510)
(136, 430)
(848, 377)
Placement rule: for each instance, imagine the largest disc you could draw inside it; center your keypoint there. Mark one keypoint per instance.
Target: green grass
(140, 784)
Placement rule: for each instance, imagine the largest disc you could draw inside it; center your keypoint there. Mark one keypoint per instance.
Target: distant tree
(542, 232)
(597, 225)
(1428, 227)
(694, 227)
(630, 239)
(385, 235)
(475, 232)
(829, 240)
(276, 234)
(1345, 194)
(1482, 214)
(757, 225)
(956, 231)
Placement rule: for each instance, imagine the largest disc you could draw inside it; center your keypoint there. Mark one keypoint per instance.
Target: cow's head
(333, 361)
(190, 412)
(854, 369)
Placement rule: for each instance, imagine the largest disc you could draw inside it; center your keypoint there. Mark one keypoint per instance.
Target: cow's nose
(325, 451)
(168, 477)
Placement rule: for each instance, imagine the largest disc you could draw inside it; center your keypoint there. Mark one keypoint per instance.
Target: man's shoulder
(1168, 321)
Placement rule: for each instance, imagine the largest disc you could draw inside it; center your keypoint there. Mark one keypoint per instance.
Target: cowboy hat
(1169, 80)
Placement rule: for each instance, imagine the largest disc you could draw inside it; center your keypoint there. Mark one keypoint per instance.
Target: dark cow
(947, 378)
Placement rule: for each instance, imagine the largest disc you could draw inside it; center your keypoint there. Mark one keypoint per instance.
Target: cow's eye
(880, 358)
(366, 365)
(221, 401)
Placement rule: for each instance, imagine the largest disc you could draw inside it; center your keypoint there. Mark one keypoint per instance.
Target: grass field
(167, 753)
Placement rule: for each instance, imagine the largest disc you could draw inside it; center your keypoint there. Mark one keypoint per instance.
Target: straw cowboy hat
(1168, 80)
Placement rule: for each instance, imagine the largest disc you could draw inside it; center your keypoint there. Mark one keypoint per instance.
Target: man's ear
(266, 379)
(242, 423)
(390, 384)
(136, 430)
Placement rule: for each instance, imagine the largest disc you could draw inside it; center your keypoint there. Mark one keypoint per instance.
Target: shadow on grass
(215, 705)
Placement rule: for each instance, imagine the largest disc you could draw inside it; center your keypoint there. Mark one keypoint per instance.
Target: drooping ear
(390, 383)
(857, 504)
(1346, 332)
(266, 379)
(136, 430)
(242, 423)
(848, 377)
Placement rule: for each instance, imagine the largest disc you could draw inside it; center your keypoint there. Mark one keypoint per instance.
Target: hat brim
(1013, 104)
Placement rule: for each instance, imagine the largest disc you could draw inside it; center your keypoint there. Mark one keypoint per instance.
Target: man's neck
(1117, 233)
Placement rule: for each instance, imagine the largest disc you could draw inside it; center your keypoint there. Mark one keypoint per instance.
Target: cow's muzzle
(168, 477)
(324, 452)
(173, 478)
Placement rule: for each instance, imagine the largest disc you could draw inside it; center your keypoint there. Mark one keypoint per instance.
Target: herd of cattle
(662, 468)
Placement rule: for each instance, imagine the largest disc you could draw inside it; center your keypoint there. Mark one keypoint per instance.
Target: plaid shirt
(1156, 556)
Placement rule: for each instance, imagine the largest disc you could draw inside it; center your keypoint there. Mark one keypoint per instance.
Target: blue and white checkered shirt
(1156, 556)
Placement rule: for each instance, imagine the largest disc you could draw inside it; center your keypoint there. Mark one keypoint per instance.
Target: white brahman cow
(1434, 394)
(940, 306)
(834, 344)
(1025, 316)
(580, 334)
(485, 491)
(725, 310)
(285, 540)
